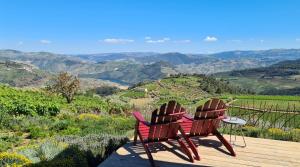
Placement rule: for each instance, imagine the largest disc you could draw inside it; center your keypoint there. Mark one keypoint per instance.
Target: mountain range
(133, 67)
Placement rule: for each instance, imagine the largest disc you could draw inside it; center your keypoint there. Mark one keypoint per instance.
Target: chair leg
(185, 149)
(136, 132)
(193, 147)
(225, 142)
(146, 147)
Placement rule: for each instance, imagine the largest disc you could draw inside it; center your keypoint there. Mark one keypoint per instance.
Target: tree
(65, 84)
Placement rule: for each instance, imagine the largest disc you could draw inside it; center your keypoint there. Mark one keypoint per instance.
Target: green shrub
(8, 141)
(13, 159)
(54, 154)
(295, 135)
(71, 131)
(96, 147)
(277, 134)
(4, 118)
(252, 131)
(37, 132)
(60, 125)
(88, 116)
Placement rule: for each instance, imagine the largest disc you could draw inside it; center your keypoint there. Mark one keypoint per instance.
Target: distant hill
(46, 61)
(130, 73)
(133, 67)
(21, 75)
(104, 57)
(172, 58)
(280, 78)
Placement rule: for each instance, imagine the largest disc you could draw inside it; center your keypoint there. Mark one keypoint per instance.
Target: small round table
(237, 122)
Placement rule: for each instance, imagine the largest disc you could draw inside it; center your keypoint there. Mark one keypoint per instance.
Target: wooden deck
(259, 152)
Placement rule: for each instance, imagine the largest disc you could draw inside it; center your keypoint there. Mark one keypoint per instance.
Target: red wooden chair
(205, 122)
(164, 126)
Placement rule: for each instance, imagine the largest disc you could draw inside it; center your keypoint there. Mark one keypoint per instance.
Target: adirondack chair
(205, 122)
(164, 126)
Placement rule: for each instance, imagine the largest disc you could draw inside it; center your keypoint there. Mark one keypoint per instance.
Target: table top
(234, 120)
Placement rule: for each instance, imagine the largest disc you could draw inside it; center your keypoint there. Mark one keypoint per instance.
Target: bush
(295, 135)
(104, 90)
(277, 134)
(252, 131)
(4, 119)
(37, 132)
(55, 154)
(87, 116)
(71, 131)
(96, 147)
(13, 159)
(8, 140)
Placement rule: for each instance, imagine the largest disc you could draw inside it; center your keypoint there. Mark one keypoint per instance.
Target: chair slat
(214, 104)
(164, 121)
(205, 119)
(206, 106)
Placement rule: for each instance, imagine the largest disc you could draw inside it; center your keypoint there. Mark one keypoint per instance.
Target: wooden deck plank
(259, 152)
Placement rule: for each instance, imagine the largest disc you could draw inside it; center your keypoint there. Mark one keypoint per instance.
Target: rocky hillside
(20, 75)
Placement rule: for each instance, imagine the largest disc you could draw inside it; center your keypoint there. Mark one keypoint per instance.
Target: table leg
(241, 129)
(230, 134)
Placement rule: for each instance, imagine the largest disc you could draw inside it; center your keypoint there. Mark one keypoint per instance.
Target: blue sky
(189, 26)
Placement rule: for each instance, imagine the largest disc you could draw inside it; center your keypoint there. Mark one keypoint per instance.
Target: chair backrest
(164, 122)
(206, 117)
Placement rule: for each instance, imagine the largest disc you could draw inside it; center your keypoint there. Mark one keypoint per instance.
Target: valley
(133, 67)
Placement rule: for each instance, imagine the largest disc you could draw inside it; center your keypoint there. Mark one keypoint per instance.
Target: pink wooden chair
(164, 126)
(205, 122)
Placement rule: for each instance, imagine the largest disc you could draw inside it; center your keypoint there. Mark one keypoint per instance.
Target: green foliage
(96, 147)
(37, 132)
(295, 135)
(135, 94)
(252, 131)
(214, 86)
(8, 141)
(12, 159)
(26, 102)
(83, 151)
(266, 97)
(52, 153)
(19, 102)
(104, 90)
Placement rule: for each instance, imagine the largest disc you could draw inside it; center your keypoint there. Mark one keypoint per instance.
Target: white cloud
(261, 41)
(44, 41)
(163, 40)
(117, 40)
(147, 38)
(183, 41)
(210, 39)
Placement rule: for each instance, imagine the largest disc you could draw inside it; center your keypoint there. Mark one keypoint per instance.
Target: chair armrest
(222, 117)
(138, 116)
(187, 116)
